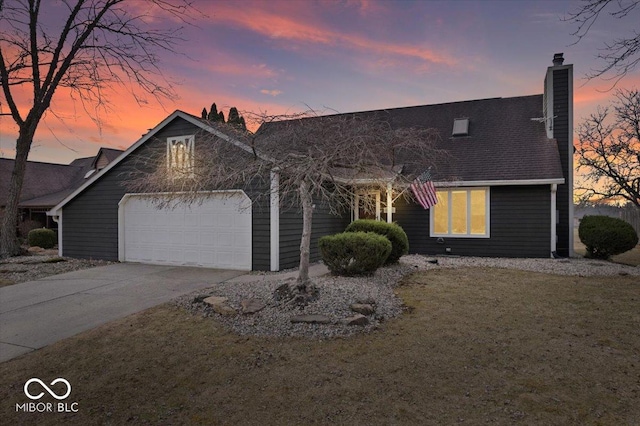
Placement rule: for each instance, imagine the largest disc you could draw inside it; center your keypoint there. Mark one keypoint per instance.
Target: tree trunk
(9, 244)
(305, 242)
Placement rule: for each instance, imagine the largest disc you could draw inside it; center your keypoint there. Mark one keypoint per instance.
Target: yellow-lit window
(180, 156)
(441, 214)
(478, 211)
(461, 213)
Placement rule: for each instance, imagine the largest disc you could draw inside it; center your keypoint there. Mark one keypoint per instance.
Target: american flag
(424, 190)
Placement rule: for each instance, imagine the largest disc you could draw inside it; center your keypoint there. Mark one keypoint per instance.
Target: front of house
(506, 192)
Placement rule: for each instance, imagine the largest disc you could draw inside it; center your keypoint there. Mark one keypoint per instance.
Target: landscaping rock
(223, 309)
(215, 300)
(311, 319)
(251, 306)
(362, 308)
(219, 305)
(357, 319)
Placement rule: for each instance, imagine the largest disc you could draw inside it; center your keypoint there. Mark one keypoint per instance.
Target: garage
(214, 232)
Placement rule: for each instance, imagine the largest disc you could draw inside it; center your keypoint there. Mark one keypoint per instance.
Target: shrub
(354, 253)
(27, 226)
(393, 232)
(41, 237)
(606, 236)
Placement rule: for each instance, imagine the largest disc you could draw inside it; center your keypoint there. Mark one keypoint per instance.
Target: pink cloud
(300, 29)
(271, 92)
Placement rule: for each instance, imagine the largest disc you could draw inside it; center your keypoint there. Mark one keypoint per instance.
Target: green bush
(606, 236)
(354, 253)
(41, 237)
(393, 232)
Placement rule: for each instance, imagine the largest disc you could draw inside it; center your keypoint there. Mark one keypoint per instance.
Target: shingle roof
(46, 184)
(504, 143)
(39, 178)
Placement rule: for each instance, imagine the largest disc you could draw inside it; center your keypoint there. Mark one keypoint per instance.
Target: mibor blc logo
(35, 389)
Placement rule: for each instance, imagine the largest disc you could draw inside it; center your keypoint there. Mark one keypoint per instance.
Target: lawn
(475, 345)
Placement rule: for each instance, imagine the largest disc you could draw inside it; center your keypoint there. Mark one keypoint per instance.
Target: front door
(368, 205)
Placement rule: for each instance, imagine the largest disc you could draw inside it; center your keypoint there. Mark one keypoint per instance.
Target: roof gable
(202, 124)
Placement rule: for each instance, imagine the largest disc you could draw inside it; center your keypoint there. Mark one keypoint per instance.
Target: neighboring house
(511, 197)
(47, 184)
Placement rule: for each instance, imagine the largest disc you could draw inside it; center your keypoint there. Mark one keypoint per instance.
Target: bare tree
(621, 55)
(609, 150)
(318, 159)
(96, 45)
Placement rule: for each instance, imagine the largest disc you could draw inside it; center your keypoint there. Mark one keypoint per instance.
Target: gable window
(461, 212)
(180, 154)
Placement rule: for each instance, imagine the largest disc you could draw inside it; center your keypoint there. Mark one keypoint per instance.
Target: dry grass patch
(477, 345)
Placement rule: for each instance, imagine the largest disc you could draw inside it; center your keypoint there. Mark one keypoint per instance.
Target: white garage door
(215, 233)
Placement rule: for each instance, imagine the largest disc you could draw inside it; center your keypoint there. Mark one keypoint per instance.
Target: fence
(632, 215)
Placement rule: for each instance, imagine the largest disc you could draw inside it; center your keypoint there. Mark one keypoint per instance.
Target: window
(461, 213)
(460, 127)
(180, 155)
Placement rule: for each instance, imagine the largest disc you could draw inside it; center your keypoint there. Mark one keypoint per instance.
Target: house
(47, 184)
(511, 197)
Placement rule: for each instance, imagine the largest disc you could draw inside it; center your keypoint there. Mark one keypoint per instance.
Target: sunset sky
(342, 56)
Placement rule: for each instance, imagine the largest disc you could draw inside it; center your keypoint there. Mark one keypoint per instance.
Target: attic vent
(460, 127)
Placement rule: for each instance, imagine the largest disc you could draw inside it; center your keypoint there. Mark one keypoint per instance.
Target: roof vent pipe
(558, 59)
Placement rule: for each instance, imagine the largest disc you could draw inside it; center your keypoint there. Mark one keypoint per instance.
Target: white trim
(487, 233)
(187, 117)
(554, 218)
(274, 221)
(355, 214)
(58, 219)
(125, 198)
(356, 210)
(389, 204)
(188, 141)
(463, 183)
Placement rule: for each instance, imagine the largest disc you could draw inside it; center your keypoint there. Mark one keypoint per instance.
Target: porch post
(389, 204)
(356, 205)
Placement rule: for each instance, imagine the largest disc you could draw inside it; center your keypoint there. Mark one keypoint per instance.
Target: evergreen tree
(204, 113)
(213, 113)
(236, 119)
(221, 117)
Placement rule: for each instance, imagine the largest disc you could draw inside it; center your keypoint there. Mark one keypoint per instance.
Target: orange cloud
(296, 29)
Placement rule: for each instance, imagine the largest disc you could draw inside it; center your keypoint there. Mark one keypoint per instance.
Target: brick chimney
(558, 112)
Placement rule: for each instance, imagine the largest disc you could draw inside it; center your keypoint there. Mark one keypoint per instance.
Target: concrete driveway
(38, 313)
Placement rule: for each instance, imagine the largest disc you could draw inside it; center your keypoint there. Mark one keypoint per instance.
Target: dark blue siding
(519, 224)
(324, 223)
(561, 134)
(90, 221)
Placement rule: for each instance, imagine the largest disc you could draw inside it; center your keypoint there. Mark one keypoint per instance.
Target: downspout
(554, 220)
(389, 204)
(274, 221)
(58, 219)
